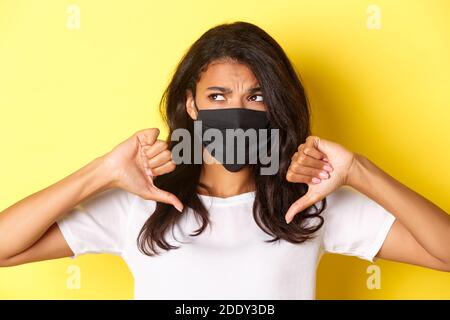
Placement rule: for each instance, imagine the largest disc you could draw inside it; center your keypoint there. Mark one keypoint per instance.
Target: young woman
(208, 231)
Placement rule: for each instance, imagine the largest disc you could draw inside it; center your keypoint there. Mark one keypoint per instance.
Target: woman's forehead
(230, 74)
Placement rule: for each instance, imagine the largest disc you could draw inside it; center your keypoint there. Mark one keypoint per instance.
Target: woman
(240, 234)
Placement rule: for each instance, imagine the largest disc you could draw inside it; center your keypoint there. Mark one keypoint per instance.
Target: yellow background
(69, 95)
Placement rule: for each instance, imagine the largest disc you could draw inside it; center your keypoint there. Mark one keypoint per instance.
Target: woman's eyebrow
(254, 89)
(228, 90)
(221, 89)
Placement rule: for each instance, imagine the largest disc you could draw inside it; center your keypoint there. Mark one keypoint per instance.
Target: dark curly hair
(287, 110)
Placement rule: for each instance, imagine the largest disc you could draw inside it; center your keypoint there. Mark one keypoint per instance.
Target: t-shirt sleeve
(354, 225)
(99, 224)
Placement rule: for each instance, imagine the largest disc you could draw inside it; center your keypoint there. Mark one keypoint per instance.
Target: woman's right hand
(134, 162)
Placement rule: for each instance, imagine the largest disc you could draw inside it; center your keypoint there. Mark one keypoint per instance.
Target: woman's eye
(216, 97)
(257, 98)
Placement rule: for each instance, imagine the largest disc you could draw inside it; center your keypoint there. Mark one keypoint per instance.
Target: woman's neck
(223, 183)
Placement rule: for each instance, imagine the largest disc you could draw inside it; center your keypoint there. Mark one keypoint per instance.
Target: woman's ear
(190, 107)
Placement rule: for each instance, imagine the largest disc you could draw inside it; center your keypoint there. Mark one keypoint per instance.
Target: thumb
(298, 206)
(160, 195)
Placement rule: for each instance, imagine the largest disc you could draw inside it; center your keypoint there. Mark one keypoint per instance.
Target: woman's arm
(28, 229)
(421, 234)
(25, 222)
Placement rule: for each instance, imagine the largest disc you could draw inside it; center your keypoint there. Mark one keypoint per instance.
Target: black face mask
(234, 118)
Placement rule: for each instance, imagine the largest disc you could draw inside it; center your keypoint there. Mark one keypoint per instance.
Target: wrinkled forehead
(228, 74)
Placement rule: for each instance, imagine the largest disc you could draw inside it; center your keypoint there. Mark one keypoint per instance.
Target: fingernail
(179, 208)
(287, 219)
(328, 168)
(315, 180)
(323, 174)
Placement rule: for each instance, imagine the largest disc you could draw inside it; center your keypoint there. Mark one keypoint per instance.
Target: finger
(143, 162)
(159, 159)
(165, 168)
(308, 171)
(311, 151)
(298, 206)
(147, 136)
(157, 147)
(166, 197)
(148, 172)
(311, 162)
(300, 178)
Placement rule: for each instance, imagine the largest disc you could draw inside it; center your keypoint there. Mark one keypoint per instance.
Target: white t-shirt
(230, 259)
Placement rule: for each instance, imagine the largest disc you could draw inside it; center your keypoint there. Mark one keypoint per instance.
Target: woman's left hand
(306, 164)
